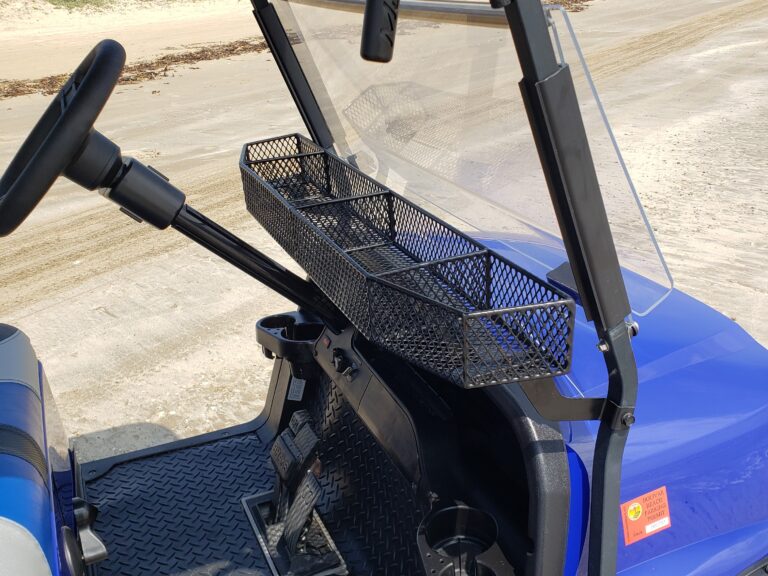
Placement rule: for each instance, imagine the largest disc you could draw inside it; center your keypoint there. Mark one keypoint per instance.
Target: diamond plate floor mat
(179, 513)
(366, 503)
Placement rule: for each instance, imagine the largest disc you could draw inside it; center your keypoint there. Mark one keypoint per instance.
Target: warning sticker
(645, 516)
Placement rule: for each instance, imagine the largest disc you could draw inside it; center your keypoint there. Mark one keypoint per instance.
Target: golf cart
(456, 389)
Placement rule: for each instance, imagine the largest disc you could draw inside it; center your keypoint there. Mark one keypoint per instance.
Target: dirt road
(146, 337)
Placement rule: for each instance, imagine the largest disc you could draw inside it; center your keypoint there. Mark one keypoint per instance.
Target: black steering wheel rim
(59, 135)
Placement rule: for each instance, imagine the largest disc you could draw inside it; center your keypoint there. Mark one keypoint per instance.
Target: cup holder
(305, 332)
(291, 336)
(461, 541)
(277, 322)
(288, 328)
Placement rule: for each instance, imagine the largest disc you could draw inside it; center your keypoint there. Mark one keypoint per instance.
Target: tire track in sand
(647, 48)
(39, 261)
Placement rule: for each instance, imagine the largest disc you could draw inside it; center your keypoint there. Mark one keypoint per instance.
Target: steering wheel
(60, 135)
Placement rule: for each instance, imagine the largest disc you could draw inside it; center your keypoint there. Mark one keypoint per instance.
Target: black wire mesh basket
(406, 280)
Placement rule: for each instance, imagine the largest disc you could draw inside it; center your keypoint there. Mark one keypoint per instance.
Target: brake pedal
(292, 454)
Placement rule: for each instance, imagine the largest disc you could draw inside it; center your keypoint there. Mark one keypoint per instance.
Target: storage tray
(409, 282)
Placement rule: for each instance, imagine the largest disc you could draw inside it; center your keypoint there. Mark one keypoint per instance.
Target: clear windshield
(444, 124)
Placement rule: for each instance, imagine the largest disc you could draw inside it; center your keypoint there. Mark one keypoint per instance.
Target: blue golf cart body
(700, 432)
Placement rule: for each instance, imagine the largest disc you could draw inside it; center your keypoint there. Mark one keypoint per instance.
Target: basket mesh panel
(406, 280)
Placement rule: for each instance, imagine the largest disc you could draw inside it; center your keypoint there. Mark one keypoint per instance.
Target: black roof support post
(558, 129)
(282, 50)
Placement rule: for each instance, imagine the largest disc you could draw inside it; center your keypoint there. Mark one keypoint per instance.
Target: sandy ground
(146, 337)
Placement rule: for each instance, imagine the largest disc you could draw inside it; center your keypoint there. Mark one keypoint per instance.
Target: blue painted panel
(578, 513)
(726, 554)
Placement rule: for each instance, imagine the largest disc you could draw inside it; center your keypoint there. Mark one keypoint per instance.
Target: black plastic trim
(377, 406)
(759, 568)
(548, 478)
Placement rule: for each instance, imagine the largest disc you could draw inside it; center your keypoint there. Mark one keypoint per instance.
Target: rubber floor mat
(367, 505)
(179, 513)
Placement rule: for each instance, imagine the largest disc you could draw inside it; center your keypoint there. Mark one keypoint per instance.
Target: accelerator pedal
(300, 513)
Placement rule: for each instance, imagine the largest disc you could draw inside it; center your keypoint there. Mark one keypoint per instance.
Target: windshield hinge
(618, 417)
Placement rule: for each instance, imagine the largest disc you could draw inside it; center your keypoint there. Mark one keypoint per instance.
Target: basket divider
(515, 328)
(338, 200)
(288, 157)
(327, 172)
(413, 294)
(521, 308)
(366, 247)
(465, 351)
(488, 282)
(428, 263)
(391, 217)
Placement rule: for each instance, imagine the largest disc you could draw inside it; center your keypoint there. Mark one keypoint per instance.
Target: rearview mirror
(379, 27)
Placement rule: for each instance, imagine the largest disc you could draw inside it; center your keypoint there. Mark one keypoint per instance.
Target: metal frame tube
(239, 253)
(280, 46)
(558, 129)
